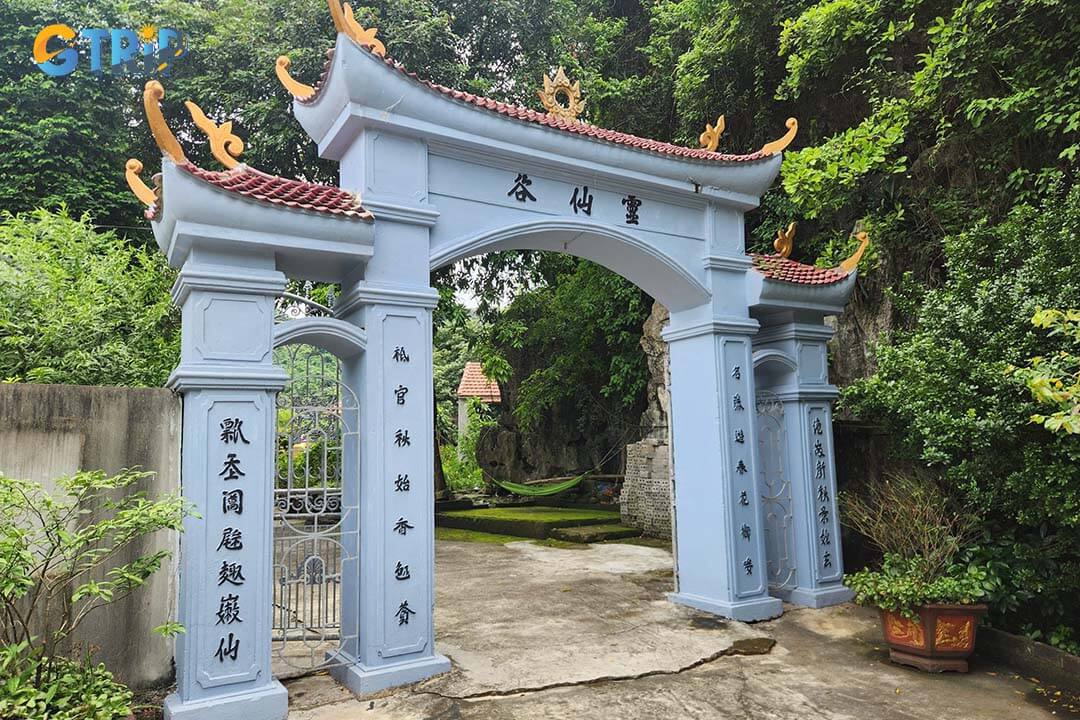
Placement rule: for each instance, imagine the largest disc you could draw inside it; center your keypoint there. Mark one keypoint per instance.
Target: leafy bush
(1055, 380)
(463, 473)
(909, 519)
(903, 584)
(943, 390)
(82, 307)
(76, 690)
(59, 562)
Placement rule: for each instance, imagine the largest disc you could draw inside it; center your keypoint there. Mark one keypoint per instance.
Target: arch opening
(642, 263)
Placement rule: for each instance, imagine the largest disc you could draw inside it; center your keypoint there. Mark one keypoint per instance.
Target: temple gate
(446, 175)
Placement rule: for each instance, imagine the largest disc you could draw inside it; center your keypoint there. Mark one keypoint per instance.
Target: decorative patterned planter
(942, 640)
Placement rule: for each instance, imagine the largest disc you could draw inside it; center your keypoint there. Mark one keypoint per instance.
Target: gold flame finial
(710, 139)
(778, 145)
(785, 241)
(225, 145)
(153, 94)
(141, 190)
(296, 89)
(344, 22)
(853, 262)
(558, 86)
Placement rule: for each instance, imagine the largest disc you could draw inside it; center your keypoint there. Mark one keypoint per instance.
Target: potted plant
(928, 597)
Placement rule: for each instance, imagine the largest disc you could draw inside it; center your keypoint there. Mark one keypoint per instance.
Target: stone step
(530, 522)
(595, 533)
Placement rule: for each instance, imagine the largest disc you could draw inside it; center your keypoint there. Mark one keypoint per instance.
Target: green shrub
(82, 307)
(71, 690)
(462, 471)
(923, 538)
(60, 560)
(903, 584)
(943, 391)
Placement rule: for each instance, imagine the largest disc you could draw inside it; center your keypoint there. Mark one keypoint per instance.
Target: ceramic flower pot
(941, 640)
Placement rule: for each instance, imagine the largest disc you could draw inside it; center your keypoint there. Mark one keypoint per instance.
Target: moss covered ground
(539, 514)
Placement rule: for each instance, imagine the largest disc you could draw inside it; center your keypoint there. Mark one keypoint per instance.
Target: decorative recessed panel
(234, 329)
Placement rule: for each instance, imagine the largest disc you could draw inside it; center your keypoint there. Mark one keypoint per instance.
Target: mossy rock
(595, 533)
(529, 522)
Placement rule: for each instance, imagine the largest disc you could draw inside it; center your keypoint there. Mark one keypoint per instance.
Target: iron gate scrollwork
(316, 418)
(775, 492)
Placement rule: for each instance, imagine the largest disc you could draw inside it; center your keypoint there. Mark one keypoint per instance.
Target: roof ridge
(291, 193)
(529, 115)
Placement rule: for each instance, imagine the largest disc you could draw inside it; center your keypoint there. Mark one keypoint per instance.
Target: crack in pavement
(743, 646)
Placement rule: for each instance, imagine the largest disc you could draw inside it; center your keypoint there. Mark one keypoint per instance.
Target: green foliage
(70, 690)
(943, 391)
(1055, 380)
(909, 519)
(64, 555)
(902, 585)
(82, 307)
(586, 323)
(463, 474)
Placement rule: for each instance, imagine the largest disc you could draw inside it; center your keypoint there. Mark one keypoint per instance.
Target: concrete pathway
(541, 632)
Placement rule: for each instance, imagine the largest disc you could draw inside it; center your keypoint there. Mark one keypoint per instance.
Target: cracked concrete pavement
(542, 632)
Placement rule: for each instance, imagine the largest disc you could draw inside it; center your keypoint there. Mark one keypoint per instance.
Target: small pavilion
(430, 175)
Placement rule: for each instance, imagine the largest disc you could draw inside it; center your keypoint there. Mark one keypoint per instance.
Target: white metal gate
(775, 492)
(316, 416)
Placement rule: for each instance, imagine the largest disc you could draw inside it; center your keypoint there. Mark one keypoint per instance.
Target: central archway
(640, 262)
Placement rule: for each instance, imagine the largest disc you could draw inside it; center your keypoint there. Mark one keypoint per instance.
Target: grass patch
(459, 535)
(537, 514)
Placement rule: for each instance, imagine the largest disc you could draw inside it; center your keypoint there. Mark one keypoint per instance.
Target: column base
(270, 702)
(364, 679)
(764, 608)
(820, 597)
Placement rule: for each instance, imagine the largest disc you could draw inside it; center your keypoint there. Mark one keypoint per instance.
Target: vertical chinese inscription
(821, 489)
(401, 412)
(230, 573)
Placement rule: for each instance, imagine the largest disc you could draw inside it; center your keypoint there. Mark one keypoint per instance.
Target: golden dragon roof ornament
(560, 86)
(779, 145)
(785, 240)
(344, 22)
(224, 144)
(853, 262)
(296, 88)
(710, 138)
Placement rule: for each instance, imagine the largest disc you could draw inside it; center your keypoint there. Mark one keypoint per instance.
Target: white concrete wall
(47, 431)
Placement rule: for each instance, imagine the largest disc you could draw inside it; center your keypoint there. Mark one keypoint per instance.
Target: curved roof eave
(360, 89)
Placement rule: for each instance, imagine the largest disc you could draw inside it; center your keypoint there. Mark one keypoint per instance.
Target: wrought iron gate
(775, 492)
(315, 414)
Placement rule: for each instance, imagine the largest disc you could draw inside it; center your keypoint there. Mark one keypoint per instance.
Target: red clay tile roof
(263, 187)
(475, 384)
(775, 267)
(532, 116)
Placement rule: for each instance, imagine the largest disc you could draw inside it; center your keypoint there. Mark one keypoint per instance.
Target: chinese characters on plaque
(230, 573)
(581, 200)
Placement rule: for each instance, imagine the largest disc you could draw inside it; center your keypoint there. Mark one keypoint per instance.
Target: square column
(392, 599)
(719, 539)
(808, 458)
(228, 380)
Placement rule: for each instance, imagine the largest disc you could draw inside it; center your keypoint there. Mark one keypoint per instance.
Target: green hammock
(538, 490)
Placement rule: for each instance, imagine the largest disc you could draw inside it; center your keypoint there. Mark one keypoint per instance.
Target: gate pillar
(228, 380)
(719, 538)
(808, 457)
(391, 600)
